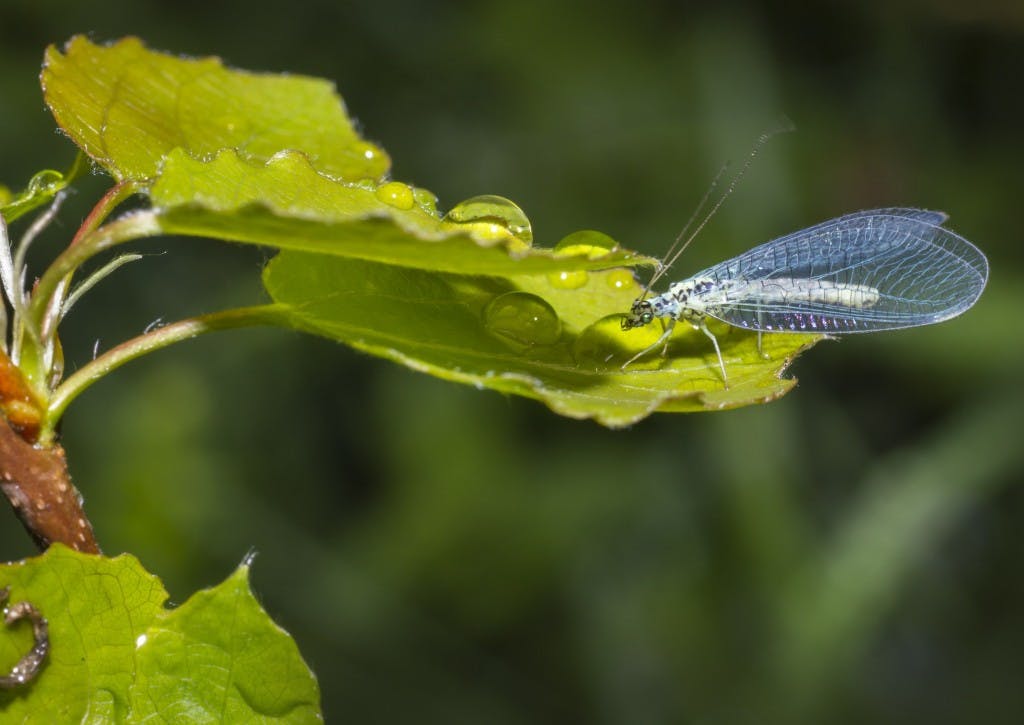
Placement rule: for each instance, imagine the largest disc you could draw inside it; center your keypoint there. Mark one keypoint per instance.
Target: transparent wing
(872, 270)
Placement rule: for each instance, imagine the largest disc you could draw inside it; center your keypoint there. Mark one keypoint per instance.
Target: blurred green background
(850, 553)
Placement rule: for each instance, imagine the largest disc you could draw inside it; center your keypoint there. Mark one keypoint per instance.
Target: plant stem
(104, 207)
(36, 482)
(148, 342)
(136, 225)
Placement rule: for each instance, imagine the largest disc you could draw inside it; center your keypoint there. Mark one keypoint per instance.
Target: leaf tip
(248, 559)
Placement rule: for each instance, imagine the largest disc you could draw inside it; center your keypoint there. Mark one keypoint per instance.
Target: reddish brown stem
(18, 403)
(36, 482)
(104, 207)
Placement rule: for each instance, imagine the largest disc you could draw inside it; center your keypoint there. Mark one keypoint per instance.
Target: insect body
(873, 270)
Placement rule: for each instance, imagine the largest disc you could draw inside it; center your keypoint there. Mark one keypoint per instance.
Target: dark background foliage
(851, 553)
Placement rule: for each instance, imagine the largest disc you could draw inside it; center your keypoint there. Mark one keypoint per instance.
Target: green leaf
(555, 338)
(117, 655)
(286, 203)
(128, 107)
(261, 158)
(264, 159)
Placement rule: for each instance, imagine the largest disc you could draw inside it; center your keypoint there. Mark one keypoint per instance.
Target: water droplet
(366, 185)
(492, 217)
(608, 347)
(568, 279)
(361, 159)
(621, 279)
(236, 127)
(523, 318)
(427, 200)
(365, 151)
(589, 243)
(396, 194)
(43, 181)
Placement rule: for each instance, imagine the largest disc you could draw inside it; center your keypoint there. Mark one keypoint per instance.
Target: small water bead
(591, 244)
(492, 217)
(365, 151)
(396, 194)
(426, 200)
(45, 180)
(621, 279)
(568, 279)
(605, 346)
(236, 128)
(286, 162)
(363, 159)
(522, 318)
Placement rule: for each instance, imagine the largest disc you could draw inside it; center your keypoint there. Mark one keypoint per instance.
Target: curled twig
(28, 667)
